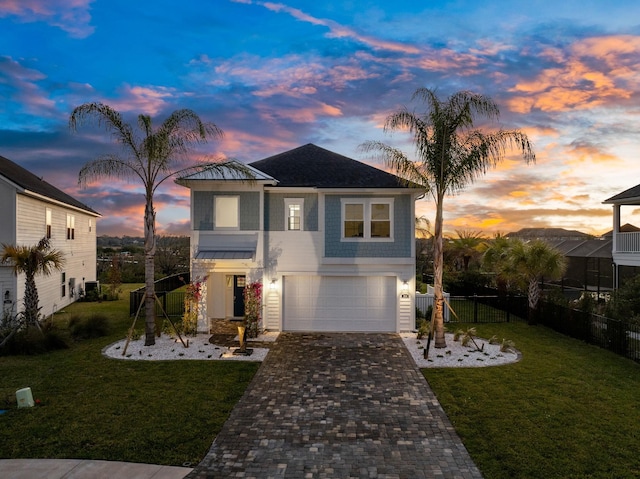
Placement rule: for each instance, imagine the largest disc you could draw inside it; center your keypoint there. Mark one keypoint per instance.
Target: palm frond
(107, 166)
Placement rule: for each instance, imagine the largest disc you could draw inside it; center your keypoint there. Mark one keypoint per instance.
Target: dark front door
(239, 283)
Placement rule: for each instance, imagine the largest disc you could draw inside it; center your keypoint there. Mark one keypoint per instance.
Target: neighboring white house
(330, 238)
(31, 210)
(626, 238)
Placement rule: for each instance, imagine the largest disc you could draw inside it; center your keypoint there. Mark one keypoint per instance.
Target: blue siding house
(330, 238)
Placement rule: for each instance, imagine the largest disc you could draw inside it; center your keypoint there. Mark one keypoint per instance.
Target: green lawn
(567, 410)
(99, 408)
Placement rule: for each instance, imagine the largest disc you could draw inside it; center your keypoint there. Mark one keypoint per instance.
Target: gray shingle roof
(631, 193)
(31, 183)
(312, 166)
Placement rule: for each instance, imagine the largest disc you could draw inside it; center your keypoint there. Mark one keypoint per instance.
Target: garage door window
(369, 219)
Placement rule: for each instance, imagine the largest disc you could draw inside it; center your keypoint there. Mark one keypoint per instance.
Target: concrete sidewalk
(86, 469)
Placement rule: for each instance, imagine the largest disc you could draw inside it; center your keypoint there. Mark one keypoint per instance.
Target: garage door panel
(337, 303)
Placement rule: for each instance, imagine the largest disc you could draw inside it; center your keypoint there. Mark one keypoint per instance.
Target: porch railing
(628, 242)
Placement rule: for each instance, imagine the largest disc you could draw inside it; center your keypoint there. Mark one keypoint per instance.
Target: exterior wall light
(273, 285)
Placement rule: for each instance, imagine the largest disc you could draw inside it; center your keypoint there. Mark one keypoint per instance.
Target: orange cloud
(597, 71)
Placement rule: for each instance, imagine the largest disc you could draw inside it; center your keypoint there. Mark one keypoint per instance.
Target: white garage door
(339, 303)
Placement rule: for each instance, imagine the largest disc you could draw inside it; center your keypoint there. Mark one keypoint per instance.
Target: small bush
(94, 326)
(31, 340)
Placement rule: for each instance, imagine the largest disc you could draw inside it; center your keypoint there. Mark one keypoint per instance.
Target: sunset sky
(275, 76)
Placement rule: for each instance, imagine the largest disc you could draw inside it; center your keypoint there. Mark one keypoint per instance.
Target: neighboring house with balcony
(31, 210)
(625, 238)
(330, 238)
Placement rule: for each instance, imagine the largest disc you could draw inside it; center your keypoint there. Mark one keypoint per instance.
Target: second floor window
(367, 218)
(71, 227)
(48, 223)
(226, 211)
(293, 211)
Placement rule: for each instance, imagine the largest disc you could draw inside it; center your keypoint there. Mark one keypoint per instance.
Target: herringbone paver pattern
(337, 406)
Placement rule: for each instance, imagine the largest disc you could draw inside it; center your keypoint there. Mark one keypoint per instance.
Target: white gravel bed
(167, 349)
(455, 355)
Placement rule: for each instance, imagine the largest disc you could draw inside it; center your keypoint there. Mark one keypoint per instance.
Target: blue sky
(275, 76)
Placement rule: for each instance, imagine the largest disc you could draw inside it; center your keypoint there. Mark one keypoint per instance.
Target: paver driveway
(337, 406)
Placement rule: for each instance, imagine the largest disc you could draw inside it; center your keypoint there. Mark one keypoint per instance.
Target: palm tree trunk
(438, 260)
(31, 300)
(149, 271)
(534, 299)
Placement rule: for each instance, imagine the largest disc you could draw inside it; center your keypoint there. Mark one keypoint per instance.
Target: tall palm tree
(150, 155)
(450, 154)
(32, 261)
(531, 262)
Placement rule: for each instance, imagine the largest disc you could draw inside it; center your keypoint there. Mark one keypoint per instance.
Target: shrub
(31, 340)
(94, 326)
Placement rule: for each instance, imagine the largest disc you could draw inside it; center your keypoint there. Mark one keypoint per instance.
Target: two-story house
(626, 238)
(330, 238)
(32, 209)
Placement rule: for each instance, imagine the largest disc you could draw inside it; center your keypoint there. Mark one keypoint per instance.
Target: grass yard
(567, 410)
(98, 408)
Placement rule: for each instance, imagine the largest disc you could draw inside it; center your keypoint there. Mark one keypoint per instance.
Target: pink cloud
(139, 99)
(72, 16)
(339, 31)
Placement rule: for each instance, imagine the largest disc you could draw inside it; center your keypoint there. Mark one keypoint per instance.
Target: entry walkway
(337, 406)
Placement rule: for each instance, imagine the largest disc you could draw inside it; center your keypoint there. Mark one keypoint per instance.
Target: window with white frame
(367, 218)
(90, 225)
(293, 208)
(71, 227)
(227, 212)
(47, 222)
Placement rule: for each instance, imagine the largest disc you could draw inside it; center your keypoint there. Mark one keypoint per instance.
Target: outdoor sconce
(273, 285)
(405, 290)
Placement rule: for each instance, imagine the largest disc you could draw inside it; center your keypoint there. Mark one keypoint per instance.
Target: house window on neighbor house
(64, 284)
(293, 210)
(71, 227)
(90, 225)
(48, 223)
(367, 219)
(227, 212)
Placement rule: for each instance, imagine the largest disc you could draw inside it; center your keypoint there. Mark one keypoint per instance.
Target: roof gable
(29, 182)
(312, 166)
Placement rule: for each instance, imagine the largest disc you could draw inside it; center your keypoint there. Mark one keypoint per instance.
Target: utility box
(24, 397)
(91, 286)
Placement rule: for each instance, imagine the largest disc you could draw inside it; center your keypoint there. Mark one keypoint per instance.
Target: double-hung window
(294, 219)
(48, 223)
(367, 219)
(71, 227)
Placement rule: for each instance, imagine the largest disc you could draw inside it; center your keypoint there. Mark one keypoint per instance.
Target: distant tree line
(127, 254)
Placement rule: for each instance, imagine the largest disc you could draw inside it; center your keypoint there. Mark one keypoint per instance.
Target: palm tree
(531, 262)
(496, 260)
(151, 155)
(467, 246)
(32, 261)
(451, 153)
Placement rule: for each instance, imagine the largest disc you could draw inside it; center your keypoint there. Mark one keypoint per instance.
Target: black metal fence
(620, 337)
(172, 302)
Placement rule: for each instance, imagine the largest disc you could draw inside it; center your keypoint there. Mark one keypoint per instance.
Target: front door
(239, 282)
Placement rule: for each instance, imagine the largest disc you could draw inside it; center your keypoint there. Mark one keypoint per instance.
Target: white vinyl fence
(424, 301)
